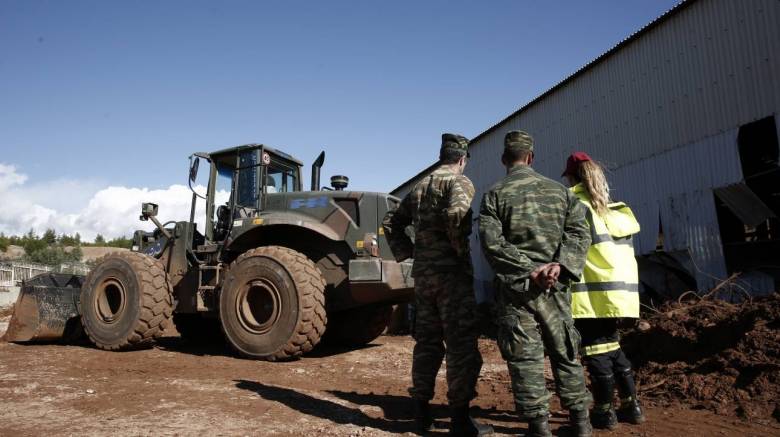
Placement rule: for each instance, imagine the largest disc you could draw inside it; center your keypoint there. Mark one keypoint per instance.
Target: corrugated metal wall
(663, 113)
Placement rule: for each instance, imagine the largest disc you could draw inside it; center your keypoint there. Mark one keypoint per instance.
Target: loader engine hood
(346, 216)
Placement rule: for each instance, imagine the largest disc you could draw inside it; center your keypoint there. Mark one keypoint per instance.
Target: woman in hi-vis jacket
(607, 292)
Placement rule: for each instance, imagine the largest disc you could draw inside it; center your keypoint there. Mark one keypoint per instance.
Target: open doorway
(749, 212)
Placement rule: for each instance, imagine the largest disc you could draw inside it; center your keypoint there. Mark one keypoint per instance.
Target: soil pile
(711, 354)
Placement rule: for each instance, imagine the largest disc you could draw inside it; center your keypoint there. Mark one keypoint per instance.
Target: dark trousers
(602, 332)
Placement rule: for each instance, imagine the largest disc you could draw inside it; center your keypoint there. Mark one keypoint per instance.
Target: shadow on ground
(325, 409)
(396, 410)
(220, 347)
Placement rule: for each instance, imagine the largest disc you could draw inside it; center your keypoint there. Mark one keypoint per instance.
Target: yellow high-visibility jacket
(609, 286)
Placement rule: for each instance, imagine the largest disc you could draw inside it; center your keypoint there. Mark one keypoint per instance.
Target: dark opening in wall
(748, 212)
(758, 149)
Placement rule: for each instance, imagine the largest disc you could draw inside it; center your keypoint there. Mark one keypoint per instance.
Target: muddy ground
(178, 388)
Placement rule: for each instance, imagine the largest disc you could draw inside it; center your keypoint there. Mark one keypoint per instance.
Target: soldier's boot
(462, 425)
(602, 416)
(423, 418)
(539, 427)
(630, 410)
(579, 421)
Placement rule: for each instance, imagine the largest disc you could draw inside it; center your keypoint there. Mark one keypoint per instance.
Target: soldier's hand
(539, 276)
(552, 274)
(546, 275)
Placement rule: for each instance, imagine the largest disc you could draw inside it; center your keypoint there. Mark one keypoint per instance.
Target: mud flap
(47, 309)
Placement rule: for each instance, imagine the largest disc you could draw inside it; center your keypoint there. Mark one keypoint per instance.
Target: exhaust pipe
(315, 171)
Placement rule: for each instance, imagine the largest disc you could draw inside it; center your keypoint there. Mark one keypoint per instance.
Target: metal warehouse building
(684, 114)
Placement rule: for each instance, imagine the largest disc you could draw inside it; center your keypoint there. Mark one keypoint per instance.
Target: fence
(12, 274)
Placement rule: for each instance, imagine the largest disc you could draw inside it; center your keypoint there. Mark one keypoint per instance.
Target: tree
(75, 254)
(120, 242)
(31, 243)
(99, 240)
(47, 255)
(4, 242)
(49, 237)
(67, 240)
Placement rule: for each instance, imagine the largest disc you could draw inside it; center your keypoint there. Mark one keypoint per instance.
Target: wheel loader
(275, 269)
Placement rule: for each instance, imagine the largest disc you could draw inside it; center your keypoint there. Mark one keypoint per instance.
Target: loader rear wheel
(126, 301)
(358, 326)
(272, 304)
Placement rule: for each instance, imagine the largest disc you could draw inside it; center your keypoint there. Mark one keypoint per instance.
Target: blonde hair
(591, 174)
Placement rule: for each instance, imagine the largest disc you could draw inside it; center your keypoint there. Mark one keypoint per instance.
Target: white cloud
(70, 206)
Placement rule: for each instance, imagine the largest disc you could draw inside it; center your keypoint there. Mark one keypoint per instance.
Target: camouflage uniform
(439, 209)
(527, 220)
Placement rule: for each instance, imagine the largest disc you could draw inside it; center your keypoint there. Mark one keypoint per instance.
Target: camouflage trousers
(445, 324)
(528, 324)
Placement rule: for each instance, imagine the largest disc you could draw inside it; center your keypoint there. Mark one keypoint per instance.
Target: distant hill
(12, 253)
(92, 253)
(88, 253)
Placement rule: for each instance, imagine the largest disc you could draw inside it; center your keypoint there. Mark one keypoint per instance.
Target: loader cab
(240, 181)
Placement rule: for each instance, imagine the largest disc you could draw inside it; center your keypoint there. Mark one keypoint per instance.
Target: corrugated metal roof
(663, 114)
(626, 41)
(570, 78)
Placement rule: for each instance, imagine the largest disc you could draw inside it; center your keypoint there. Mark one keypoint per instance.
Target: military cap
(455, 142)
(517, 140)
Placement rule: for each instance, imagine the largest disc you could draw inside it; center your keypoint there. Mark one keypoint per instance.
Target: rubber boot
(462, 425)
(539, 427)
(579, 421)
(630, 410)
(423, 419)
(602, 416)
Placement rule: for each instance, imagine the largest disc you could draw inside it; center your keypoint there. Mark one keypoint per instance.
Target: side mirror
(194, 169)
(148, 210)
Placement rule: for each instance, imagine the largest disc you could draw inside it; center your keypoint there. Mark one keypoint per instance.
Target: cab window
(281, 179)
(246, 194)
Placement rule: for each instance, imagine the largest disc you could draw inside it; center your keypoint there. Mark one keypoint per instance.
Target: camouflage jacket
(527, 220)
(439, 209)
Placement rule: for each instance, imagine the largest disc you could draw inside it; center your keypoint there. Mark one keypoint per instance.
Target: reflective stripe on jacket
(610, 283)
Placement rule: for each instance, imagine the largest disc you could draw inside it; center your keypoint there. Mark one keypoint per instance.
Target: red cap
(573, 163)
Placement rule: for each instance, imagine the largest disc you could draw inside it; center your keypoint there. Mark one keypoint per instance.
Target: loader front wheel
(272, 304)
(126, 301)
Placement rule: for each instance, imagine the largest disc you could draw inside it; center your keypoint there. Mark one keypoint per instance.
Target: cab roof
(268, 149)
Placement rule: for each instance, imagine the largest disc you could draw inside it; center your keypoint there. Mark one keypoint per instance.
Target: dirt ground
(711, 354)
(177, 388)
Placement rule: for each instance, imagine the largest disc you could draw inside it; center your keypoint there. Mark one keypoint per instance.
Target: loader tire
(358, 326)
(272, 304)
(126, 301)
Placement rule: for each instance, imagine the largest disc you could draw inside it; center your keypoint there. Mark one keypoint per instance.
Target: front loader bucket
(47, 309)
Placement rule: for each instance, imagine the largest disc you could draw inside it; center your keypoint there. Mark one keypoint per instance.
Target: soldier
(535, 237)
(439, 209)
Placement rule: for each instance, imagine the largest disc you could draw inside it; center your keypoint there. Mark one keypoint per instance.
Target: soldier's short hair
(514, 155)
(450, 156)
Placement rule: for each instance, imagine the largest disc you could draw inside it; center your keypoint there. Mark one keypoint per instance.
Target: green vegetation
(54, 249)
(100, 241)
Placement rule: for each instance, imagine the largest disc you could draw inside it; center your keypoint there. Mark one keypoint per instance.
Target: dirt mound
(711, 354)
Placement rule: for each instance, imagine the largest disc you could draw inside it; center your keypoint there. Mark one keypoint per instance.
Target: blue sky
(97, 94)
